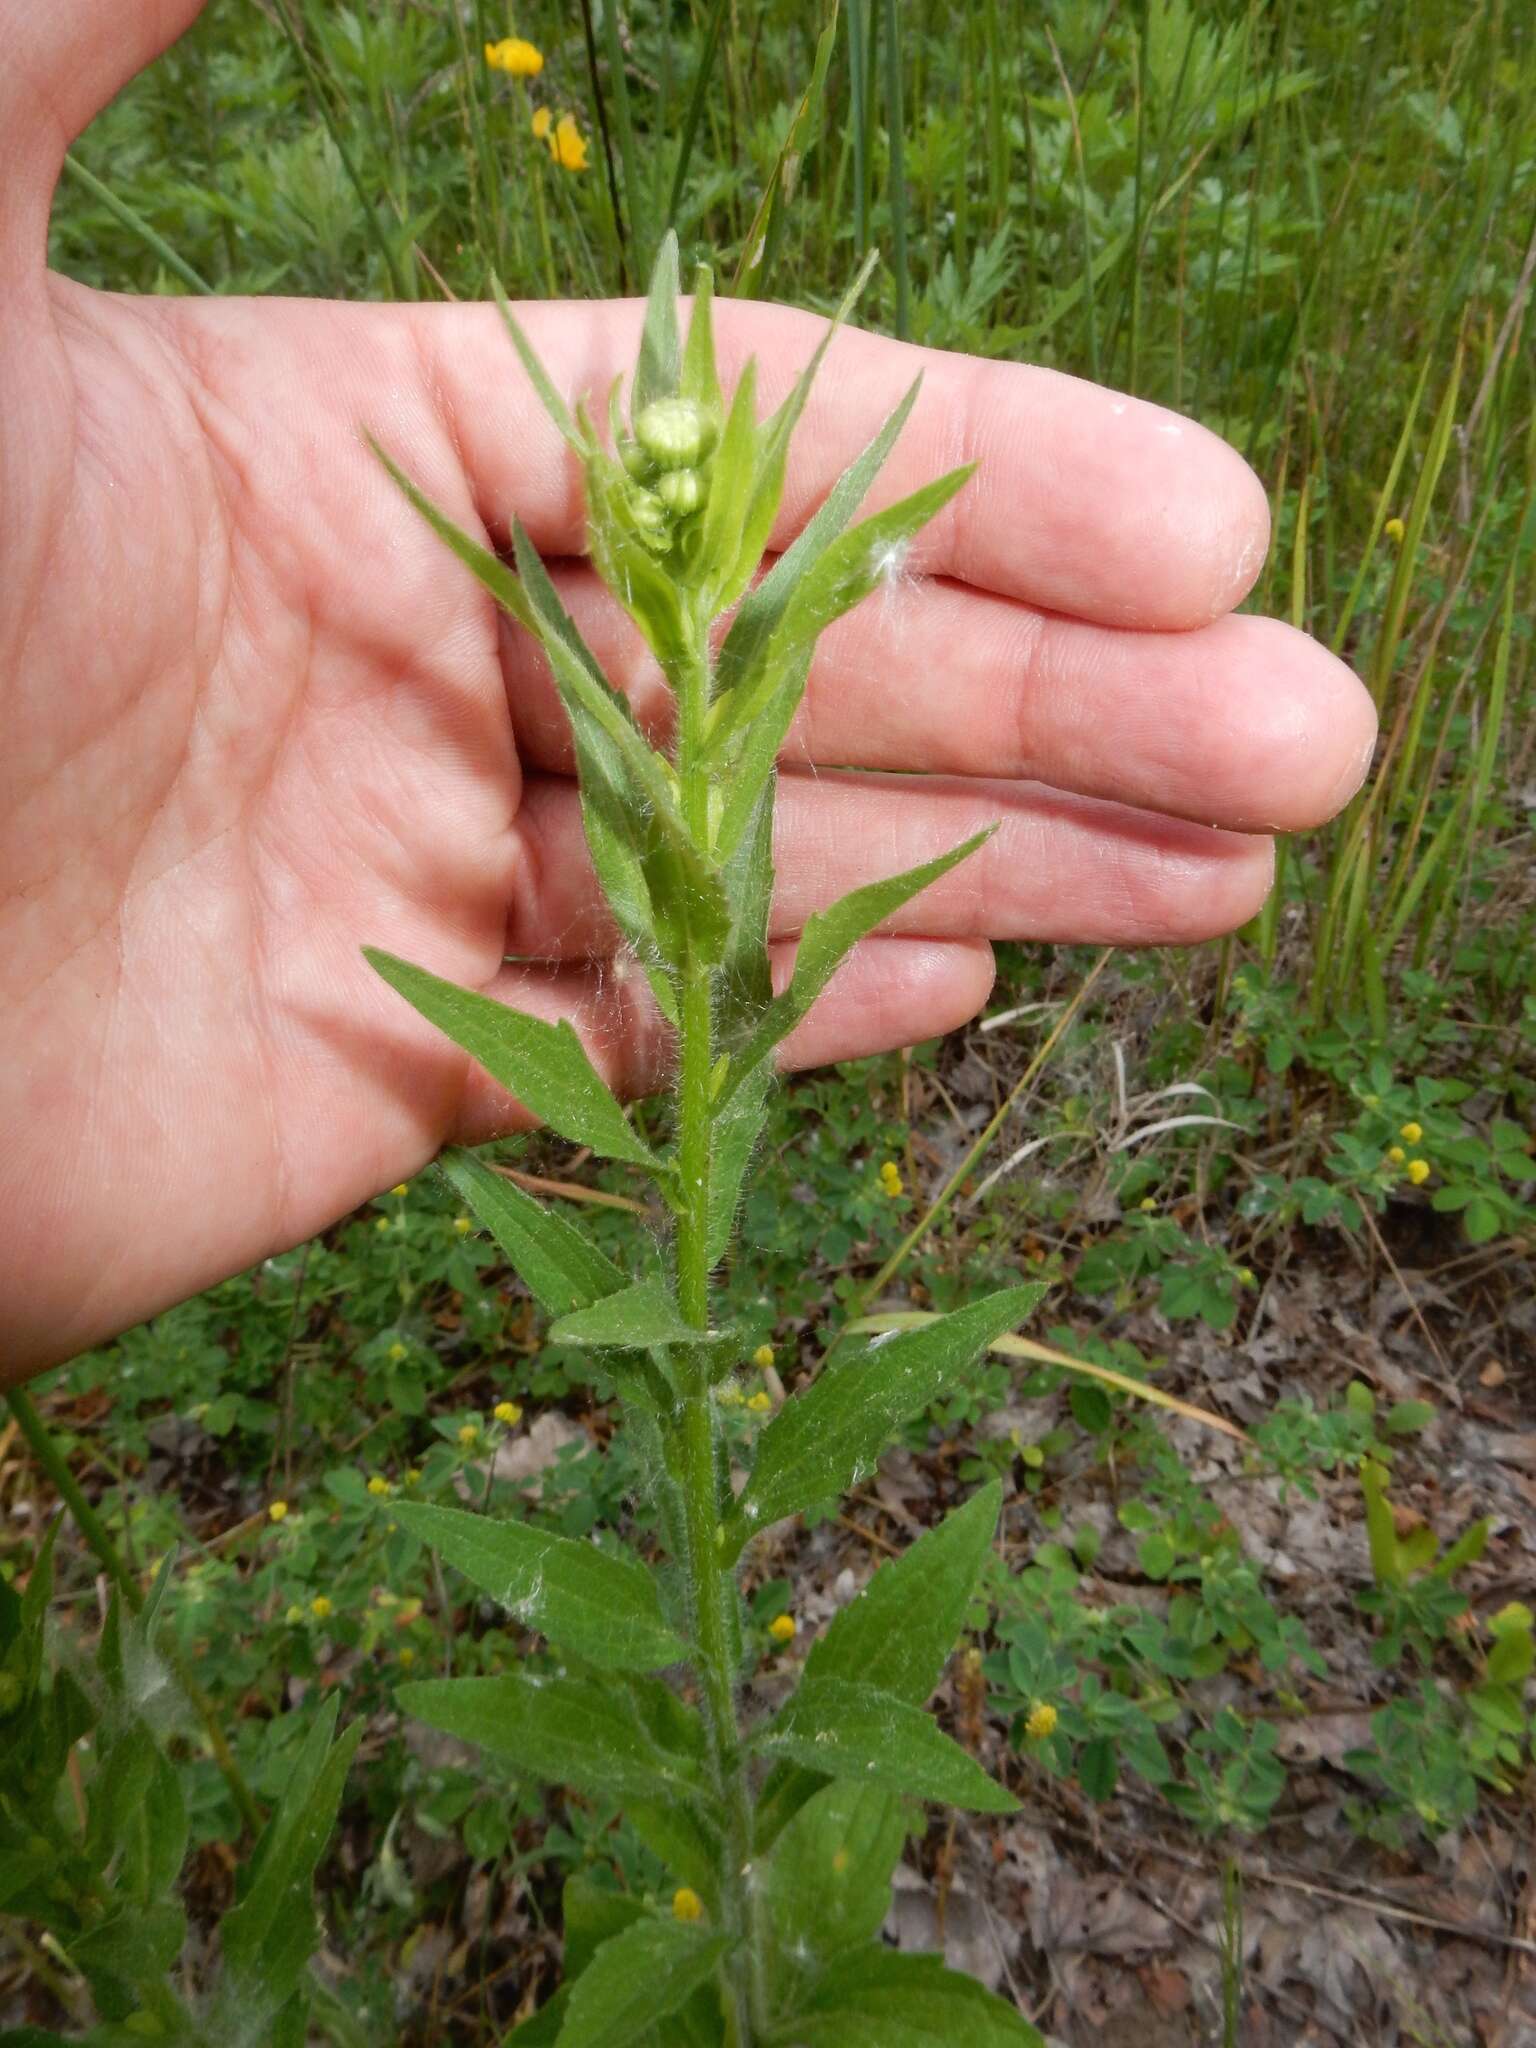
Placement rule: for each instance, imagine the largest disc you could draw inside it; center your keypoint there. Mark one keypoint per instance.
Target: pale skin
(255, 715)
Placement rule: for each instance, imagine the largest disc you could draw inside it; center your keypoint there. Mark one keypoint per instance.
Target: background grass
(1312, 226)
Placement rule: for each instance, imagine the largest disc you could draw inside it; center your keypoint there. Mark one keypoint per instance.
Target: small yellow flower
(567, 144)
(728, 1396)
(395, 1353)
(320, 1607)
(686, 1904)
(413, 1476)
(1396, 1154)
(1147, 1204)
(399, 1191)
(543, 120)
(517, 58)
(1411, 1133)
(381, 1223)
(507, 1412)
(277, 1510)
(462, 1225)
(1419, 1171)
(1041, 1722)
(760, 1403)
(293, 1615)
(890, 1178)
(782, 1628)
(378, 1486)
(1394, 529)
(468, 1434)
(407, 1658)
(763, 1356)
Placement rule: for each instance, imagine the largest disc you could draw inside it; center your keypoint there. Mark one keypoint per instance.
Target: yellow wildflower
(468, 1434)
(519, 59)
(686, 1904)
(1411, 1133)
(1147, 1204)
(407, 1658)
(399, 1190)
(890, 1178)
(1041, 1722)
(462, 1225)
(381, 1223)
(395, 1353)
(507, 1412)
(1396, 1154)
(760, 1403)
(763, 1356)
(378, 1486)
(782, 1628)
(565, 141)
(320, 1607)
(1394, 529)
(1419, 1171)
(277, 1510)
(294, 1614)
(412, 1476)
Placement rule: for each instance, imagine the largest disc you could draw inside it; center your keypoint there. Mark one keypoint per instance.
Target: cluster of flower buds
(667, 463)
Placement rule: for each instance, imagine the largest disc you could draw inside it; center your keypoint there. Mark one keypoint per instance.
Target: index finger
(1085, 502)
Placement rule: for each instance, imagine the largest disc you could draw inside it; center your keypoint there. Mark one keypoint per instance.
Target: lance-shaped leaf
(544, 1065)
(271, 1934)
(818, 1442)
(562, 1731)
(828, 938)
(881, 1998)
(758, 755)
(643, 1314)
(561, 1266)
(700, 381)
(538, 376)
(637, 1978)
(827, 1884)
(763, 607)
(847, 1730)
(659, 365)
(602, 1608)
(773, 449)
(486, 567)
(898, 1633)
(730, 490)
(848, 569)
(732, 1137)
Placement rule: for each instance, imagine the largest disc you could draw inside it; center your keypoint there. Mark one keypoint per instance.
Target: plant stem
(710, 1589)
(53, 1462)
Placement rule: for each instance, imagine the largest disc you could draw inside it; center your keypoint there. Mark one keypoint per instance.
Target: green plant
(781, 1836)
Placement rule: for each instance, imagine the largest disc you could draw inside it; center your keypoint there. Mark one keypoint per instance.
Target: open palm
(255, 716)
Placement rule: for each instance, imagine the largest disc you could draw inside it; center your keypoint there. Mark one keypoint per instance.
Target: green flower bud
(682, 491)
(635, 460)
(648, 513)
(675, 433)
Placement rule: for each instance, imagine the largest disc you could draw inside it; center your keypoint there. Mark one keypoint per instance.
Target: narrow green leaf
(828, 938)
(560, 1264)
(636, 1979)
(731, 471)
(592, 1913)
(898, 1633)
(763, 607)
(659, 365)
(758, 755)
(827, 1884)
(562, 1731)
(700, 380)
(136, 1945)
(643, 1314)
(846, 1730)
(477, 558)
(271, 1934)
(683, 1842)
(601, 1607)
(881, 1998)
(821, 1440)
(544, 1065)
(538, 376)
(732, 1138)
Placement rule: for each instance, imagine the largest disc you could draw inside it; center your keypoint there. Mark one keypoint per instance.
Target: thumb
(63, 62)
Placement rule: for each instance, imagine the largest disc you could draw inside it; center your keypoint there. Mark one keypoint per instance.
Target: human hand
(256, 716)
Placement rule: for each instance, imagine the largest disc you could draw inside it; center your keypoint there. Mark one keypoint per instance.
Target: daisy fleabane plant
(779, 1831)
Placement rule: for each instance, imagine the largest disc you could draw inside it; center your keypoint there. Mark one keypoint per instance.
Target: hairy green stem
(710, 1589)
(45, 1450)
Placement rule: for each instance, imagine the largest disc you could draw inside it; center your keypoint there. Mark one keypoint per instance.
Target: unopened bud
(681, 491)
(648, 513)
(674, 433)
